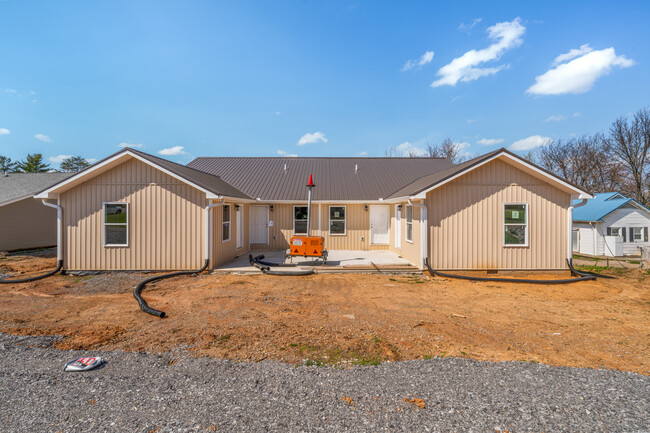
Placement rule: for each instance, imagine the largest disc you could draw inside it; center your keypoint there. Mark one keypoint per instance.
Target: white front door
(259, 225)
(398, 227)
(379, 225)
(239, 220)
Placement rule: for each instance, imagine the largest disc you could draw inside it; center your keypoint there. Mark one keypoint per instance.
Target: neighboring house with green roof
(611, 214)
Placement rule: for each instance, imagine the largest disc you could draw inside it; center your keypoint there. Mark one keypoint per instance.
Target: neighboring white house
(611, 225)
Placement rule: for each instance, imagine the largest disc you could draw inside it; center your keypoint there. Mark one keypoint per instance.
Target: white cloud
(286, 154)
(531, 142)
(312, 138)
(43, 137)
(580, 73)
(424, 59)
(471, 120)
(59, 159)
(572, 54)
(363, 153)
(507, 35)
(489, 141)
(91, 160)
(4, 131)
(125, 144)
(408, 149)
(467, 27)
(176, 150)
(555, 118)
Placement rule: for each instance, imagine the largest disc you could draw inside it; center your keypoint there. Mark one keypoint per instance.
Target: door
(259, 225)
(398, 226)
(576, 241)
(239, 220)
(379, 225)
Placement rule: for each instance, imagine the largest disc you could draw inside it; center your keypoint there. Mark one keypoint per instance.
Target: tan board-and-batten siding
(466, 221)
(357, 236)
(166, 221)
(27, 224)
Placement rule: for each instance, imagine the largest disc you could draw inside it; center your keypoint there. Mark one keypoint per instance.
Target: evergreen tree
(33, 164)
(74, 164)
(6, 164)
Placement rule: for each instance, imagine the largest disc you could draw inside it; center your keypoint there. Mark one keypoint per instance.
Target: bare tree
(630, 142)
(586, 161)
(448, 149)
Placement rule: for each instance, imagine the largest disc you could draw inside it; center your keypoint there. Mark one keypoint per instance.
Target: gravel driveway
(172, 393)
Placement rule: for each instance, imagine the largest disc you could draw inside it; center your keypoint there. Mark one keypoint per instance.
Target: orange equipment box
(311, 246)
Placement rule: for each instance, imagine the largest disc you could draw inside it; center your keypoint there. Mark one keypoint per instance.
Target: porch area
(338, 261)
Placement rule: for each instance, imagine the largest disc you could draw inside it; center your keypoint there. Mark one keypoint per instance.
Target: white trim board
(56, 189)
(578, 193)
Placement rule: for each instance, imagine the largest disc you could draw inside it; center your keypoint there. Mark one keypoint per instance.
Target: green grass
(116, 219)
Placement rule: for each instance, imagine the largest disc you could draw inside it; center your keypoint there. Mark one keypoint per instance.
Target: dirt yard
(340, 319)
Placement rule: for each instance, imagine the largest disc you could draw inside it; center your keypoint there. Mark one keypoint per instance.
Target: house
(136, 211)
(24, 222)
(611, 214)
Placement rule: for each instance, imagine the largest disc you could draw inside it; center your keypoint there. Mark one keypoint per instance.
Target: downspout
(570, 228)
(208, 229)
(59, 251)
(137, 293)
(59, 228)
(424, 229)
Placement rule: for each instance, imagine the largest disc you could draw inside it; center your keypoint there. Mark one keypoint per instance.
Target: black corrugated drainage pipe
(581, 276)
(264, 267)
(138, 290)
(38, 277)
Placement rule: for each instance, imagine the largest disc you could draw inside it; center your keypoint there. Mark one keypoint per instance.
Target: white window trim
(640, 241)
(293, 217)
(345, 221)
(104, 224)
(406, 225)
(503, 226)
(229, 222)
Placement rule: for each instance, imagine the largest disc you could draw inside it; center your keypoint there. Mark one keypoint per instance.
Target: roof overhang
(520, 163)
(107, 164)
(17, 199)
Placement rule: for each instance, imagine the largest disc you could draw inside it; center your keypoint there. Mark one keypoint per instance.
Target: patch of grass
(427, 356)
(376, 339)
(368, 360)
(293, 344)
(317, 363)
(443, 354)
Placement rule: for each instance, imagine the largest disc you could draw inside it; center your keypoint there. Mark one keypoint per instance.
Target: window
(617, 231)
(337, 220)
(515, 224)
(225, 221)
(300, 220)
(638, 234)
(116, 224)
(409, 223)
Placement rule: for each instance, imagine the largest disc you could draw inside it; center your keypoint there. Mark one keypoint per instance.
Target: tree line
(34, 163)
(618, 160)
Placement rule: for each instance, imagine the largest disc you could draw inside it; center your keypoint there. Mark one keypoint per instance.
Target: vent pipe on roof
(356, 168)
(285, 167)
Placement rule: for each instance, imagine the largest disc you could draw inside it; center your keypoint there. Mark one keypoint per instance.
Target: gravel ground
(138, 392)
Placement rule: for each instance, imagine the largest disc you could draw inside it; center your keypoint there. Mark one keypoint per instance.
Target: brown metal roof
(336, 178)
(433, 179)
(204, 180)
(211, 182)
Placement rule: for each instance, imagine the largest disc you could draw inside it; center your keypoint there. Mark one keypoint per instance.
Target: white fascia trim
(579, 194)
(259, 200)
(14, 200)
(46, 193)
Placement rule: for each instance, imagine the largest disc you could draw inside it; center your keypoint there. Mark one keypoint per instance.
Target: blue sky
(335, 78)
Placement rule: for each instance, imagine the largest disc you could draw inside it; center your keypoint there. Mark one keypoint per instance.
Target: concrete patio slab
(337, 261)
